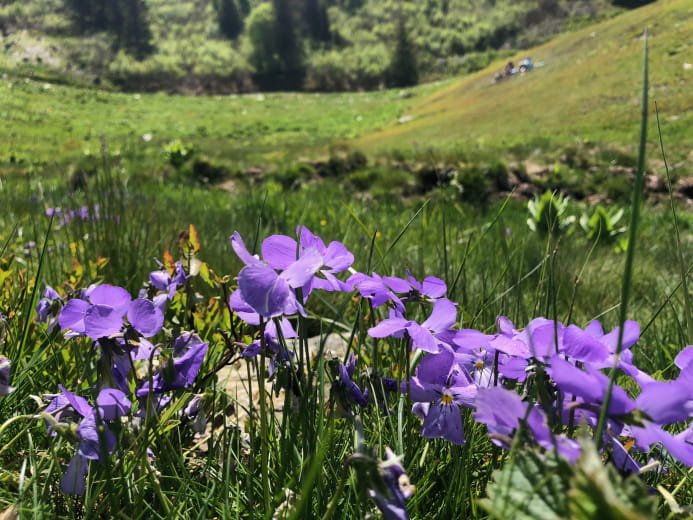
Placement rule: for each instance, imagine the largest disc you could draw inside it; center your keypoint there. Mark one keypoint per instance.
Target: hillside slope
(588, 89)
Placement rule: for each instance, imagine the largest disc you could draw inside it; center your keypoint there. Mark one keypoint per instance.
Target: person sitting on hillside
(526, 64)
(509, 69)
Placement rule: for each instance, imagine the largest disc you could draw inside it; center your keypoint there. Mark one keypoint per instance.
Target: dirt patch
(235, 381)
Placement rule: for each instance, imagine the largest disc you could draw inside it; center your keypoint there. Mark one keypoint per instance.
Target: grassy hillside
(587, 91)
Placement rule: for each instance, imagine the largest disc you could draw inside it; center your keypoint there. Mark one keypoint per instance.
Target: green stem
(630, 254)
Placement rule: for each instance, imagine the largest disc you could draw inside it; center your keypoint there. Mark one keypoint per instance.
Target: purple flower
(248, 314)
(442, 386)
(423, 336)
(376, 290)
(195, 415)
(164, 281)
(589, 386)
(46, 307)
(345, 391)
(335, 257)
(391, 499)
(268, 293)
(684, 359)
(188, 354)
(145, 317)
(101, 312)
(5, 387)
(502, 411)
(95, 439)
(680, 446)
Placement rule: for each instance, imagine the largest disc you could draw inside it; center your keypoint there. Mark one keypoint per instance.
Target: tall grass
(498, 268)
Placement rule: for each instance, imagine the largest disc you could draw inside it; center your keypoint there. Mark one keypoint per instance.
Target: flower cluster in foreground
(498, 376)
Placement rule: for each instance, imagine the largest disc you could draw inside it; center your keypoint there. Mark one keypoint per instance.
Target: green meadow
(100, 188)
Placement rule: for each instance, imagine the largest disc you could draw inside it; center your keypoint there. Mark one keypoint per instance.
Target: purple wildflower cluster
(82, 213)
(135, 376)
(493, 375)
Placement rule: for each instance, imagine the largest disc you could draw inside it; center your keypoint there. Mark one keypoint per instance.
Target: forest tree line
(317, 44)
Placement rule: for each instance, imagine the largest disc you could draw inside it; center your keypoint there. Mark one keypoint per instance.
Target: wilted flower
(5, 387)
(392, 496)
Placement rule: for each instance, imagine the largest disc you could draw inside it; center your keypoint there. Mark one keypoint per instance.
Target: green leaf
(598, 491)
(540, 486)
(529, 487)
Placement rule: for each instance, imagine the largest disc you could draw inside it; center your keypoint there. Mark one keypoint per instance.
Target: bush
(474, 184)
(294, 175)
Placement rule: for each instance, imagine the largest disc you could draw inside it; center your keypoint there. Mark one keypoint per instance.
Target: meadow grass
(51, 127)
(313, 455)
(493, 266)
(581, 103)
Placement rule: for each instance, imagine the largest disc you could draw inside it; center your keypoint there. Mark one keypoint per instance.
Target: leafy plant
(531, 486)
(178, 153)
(547, 214)
(601, 225)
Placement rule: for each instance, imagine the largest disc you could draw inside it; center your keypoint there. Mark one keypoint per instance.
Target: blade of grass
(630, 254)
(679, 253)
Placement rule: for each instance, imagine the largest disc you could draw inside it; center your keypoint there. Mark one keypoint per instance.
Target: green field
(191, 407)
(576, 115)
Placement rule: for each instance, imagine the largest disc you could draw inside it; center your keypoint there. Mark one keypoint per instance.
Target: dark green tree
(289, 47)
(88, 15)
(403, 70)
(316, 21)
(126, 20)
(229, 17)
(260, 31)
(245, 6)
(131, 27)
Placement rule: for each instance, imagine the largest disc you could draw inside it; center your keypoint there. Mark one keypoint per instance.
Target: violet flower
(441, 387)
(430, 289)
(503, 411)
(345, 391)
(443, 316)
(188, 354)
(164, 281)
(101, 312)
(589, 386)
(268, 293)
(335, 257)
(391, 499)
(95, 439)
(5, 387)
(375, 289)
(47, 306)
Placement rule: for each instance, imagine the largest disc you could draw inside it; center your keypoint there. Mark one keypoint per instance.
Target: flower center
(479, 365)
(446, 398)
